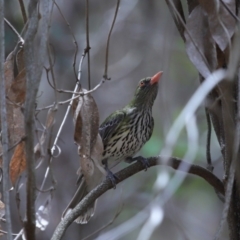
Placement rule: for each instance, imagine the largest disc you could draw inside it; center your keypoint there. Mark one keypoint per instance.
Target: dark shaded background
(144, 41)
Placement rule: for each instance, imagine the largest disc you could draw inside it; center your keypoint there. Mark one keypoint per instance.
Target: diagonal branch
(128, 172)
(178, 19)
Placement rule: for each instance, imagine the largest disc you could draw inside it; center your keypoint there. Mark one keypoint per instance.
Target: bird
(123, 133)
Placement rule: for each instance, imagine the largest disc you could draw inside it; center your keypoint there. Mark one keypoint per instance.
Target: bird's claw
(113, 178)
(141, 159)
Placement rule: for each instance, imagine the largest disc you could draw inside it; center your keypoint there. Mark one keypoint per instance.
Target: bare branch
(105, 75)
(128, 172)
(179, 23)
(230, 11)
(33, 73)
(4, 126)
(14, 30)
(21, 3)
(87, 50)
(74, 39)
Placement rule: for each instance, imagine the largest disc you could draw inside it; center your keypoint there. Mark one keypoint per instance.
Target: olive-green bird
(125, 131)
(123, 134)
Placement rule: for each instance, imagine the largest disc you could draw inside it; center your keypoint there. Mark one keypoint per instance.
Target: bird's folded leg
(110, 175)
(141, 159)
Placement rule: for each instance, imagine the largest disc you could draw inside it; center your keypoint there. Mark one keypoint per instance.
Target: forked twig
(14, 30)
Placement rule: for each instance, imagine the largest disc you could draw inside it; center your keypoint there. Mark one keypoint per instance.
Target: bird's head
(147, 90)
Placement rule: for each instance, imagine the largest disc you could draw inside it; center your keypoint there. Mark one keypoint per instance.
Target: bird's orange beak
(156, 78)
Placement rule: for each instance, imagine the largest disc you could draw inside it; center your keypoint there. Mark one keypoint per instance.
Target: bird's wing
(111, 124)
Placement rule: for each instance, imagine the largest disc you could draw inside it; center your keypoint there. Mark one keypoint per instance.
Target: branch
(178, 19)
(105, 76)
(14, 30)
(4, 126)
(87, 50)
(21, 3)
(128, 172)
(34, 67)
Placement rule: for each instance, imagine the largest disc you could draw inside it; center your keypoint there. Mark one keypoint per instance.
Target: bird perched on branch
(123, 134)
(125, 131)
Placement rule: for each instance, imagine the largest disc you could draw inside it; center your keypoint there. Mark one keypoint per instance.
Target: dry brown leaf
(86, 119)
(9, 77)
(203, 52)
(39, 148)
(17, 90)
(221, 23)
(18, 162)
(16, 93)
(98, 171)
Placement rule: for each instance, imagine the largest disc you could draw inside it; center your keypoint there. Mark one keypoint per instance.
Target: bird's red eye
(141, 84)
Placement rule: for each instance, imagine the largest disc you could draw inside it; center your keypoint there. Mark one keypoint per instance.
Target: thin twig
(52, 72)
(128, 172)
(59, 103)
(5, 232)
(14, 145)
(105, 75)
(21, 3)
(54, 146)
(51, 63)
(4, 127)
(208, 145)
(230, 11)
(19, 235)
(74, 39)
(178, 23)
(14, 30)
(87, 50)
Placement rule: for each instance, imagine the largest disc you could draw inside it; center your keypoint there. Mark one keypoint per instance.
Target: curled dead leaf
(221, 23)
(86, 119)
(18, 162)
(17, 90)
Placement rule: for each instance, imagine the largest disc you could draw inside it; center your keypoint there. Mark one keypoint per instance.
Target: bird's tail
(78, 196)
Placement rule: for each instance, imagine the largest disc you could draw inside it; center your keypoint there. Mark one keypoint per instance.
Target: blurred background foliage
(144, 41)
